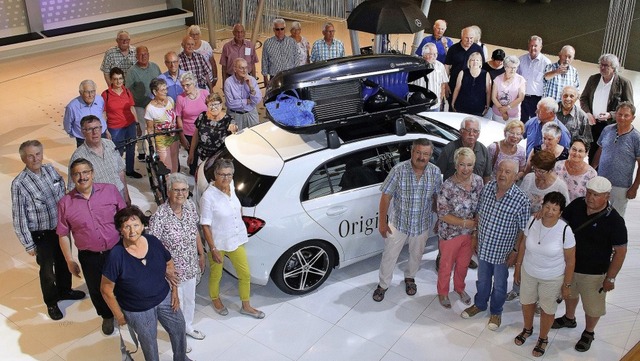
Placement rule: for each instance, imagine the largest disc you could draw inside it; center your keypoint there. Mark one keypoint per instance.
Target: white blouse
(223, 214)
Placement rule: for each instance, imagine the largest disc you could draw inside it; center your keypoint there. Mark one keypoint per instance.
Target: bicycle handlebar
(148, 136)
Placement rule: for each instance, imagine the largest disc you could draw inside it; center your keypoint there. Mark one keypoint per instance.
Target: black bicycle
(156, 170)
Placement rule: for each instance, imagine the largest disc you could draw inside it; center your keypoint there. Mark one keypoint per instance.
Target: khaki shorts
(545, 292)
(587, 287)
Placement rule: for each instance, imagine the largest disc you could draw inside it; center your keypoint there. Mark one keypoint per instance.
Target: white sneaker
(189, 349)
(196, 335)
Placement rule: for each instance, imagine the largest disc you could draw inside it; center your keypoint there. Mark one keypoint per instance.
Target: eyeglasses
(88, 92)
(540, 171)
(278, 29)
(471, 131)
(423, 154)
(172, 61)
(180, 190)
(215, 105)
(187, 85)
(83, 173)
(194, 33)
(514, 134)
(92, 130)
(225, 175)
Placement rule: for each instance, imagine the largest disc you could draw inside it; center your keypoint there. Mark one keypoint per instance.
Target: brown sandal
(541, 347)
(410, 286)
(523, 336)
(378, 294)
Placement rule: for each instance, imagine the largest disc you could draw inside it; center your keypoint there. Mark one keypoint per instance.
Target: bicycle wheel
(156, 183)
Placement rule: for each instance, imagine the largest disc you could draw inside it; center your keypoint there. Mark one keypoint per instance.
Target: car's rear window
(250, 186)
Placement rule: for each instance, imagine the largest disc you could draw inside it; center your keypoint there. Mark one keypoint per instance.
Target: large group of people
(554, 210)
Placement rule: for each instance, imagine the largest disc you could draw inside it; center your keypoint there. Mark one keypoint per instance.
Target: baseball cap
(599, 184)
(498, 54)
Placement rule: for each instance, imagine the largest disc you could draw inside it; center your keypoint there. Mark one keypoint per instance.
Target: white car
(310, 207)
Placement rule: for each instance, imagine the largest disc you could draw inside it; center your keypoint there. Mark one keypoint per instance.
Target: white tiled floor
(337, 322)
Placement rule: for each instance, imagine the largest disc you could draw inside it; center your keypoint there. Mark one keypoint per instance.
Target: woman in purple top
(509, 148)
(457, 206)
(189, 105)
(472, 93)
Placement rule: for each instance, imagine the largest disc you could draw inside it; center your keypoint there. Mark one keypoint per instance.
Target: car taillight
(253, 224)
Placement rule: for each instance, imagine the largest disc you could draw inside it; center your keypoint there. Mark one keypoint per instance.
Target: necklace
(540, 236)
(464, 183)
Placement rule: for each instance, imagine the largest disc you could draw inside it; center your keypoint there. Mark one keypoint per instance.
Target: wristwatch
(567, 285)
(611, 280)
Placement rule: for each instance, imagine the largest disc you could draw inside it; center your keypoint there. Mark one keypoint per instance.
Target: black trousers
(92, 264)
(55, 278)
(528, 107)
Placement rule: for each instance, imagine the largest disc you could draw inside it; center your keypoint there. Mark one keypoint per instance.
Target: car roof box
(350, 90)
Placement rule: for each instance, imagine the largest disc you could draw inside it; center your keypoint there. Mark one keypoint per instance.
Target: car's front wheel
(303, 267)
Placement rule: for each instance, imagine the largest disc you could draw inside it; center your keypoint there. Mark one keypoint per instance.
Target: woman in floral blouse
(575, 171)
(175, 223)
(212, 127)
(457, 206)
(160, 115)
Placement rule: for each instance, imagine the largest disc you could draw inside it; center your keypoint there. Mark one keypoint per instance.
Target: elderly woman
(175, 223)
(160, 115)
(508, 148)
(611, 89)
(575, 171)
(189, 105)
(544, 268)
(472, 93)
(542, 180)
(457, 205)
(303, 44)
(508, 92)
(136, 290)
(211, 129)
(121, 117)
(204, 48)
(551, 134)
(226, 234)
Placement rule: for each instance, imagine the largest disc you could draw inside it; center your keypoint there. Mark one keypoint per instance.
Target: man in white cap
(600, 231)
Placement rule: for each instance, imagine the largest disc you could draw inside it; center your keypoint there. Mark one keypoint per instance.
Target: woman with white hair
(301, 42)
(204, 48)
(508, 92)
(551, 134)
(175, 223)
(189, 105)
(601, 96)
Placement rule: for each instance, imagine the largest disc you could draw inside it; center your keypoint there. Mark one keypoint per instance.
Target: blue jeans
(145, 325)
(491, 283)
(119, 136)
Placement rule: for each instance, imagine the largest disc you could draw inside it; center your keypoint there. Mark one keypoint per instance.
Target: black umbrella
(387, 17)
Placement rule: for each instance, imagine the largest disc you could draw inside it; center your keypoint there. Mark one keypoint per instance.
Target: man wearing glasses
(546, 112)
(172, 75)
(85, 104)
(123, 56)
(279, 52)
(107, 162)
(87, 212)
(242, 95)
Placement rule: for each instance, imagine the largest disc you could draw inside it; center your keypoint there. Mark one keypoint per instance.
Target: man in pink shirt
(87, 212)
(238, 47)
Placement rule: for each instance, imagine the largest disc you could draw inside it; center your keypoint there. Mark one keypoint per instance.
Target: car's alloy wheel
(303, 267)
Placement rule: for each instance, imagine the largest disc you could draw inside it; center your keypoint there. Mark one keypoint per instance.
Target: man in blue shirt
(442, 42)
(85, 104)
(172, 75)
(547, 109)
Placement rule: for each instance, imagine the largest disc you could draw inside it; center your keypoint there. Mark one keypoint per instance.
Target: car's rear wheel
(303, 267)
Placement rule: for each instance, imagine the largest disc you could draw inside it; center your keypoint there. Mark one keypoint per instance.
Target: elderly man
(601, 246)
(137, 80)
(503, 211)
(457, 56)
(441, 42)
(601, 96)
(35, 193)
(85, 104)
(107, 161)
(618, 155)
(172, 75)
(410, 189)
(123, 56)
(242, 95)
(546, 110)
(86, 212)
(239, 47)
(574, 118)
(561, 74)
(279, 52)
(437, 79)
(532, 67)
(328, 47)
(194, 62)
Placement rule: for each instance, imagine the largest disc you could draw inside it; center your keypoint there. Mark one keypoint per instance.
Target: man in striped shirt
(192, 61)
(279, 52)
(35, 193)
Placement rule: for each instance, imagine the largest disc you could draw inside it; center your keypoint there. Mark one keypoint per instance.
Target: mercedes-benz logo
(418, 23)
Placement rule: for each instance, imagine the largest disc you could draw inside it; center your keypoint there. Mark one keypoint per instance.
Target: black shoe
(72, 295)
(107, 326)
(473, 264)
(54, 312)
(141, 157)
(438, 262)
(134, 174)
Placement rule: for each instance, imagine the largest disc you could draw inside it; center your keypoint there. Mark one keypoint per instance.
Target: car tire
(304, 267)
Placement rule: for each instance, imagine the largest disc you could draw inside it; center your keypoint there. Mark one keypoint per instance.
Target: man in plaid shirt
(412, 185)
(503, 211)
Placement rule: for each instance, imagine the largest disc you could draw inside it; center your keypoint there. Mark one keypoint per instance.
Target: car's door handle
(336, 211)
